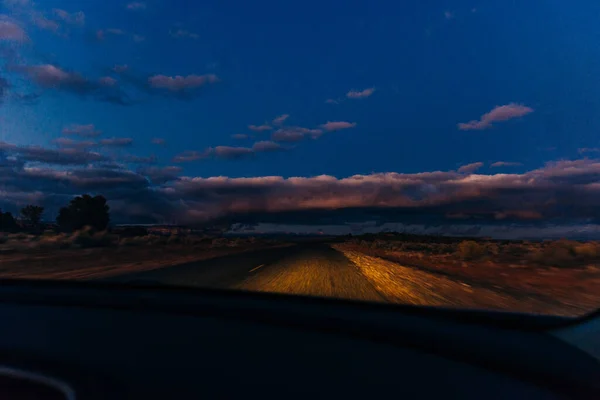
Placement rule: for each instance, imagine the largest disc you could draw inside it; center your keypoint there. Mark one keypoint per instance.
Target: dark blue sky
(401, 75)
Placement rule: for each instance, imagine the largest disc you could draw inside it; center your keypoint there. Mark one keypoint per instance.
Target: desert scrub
(470, 250)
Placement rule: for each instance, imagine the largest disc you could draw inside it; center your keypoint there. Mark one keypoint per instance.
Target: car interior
(76, 340)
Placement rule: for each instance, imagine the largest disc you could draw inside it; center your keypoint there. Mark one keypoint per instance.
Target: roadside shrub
(587, 251)
(87, 238)
(133, 231)
(470, 250)
(559, 253)
(514, 250)
(174, 239)
(54, 241)
(132, 241)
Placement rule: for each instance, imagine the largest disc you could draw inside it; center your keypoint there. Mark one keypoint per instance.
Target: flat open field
(559, 278)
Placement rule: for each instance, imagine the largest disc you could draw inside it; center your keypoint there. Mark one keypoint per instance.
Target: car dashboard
(99, 341)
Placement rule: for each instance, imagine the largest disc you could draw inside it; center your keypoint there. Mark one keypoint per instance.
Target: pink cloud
(584, 150)
(88, 130)
(265, 146)
(259, 128)
(498, 114)
(107, 81)
(42, 22)
(498, 164)
(353, 94)
(120, 68)
(470, 168)
(101, 33)
(280, 119)
(331, 101)
(75, 144)
(188, 156)
(159, 175)
(158, 141)
(53, 77)
(116, 142)
(10, 31)
(115, 31)
(337, 125)
(136, 5)
(76, 18)
(48, 75)
(182, 33)
(180, 83)
(230, 152)
(16, 3)
(133, 159)
(295, 134)
(287, 135)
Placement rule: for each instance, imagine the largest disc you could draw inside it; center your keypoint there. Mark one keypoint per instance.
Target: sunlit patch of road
(314, 271)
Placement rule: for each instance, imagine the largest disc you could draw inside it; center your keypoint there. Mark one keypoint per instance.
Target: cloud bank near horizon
(561, 190)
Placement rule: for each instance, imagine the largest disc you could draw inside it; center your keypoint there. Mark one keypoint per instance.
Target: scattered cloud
(584, 150)
(120, 68)
(259, 128)
(11, 31)
(182, 33)
(332, 101)
(337, 125)
(266, 146)
(240, 136)
(295, 134)
(280, 119)
(448, 14)
(136, 5)
(133, 159)
(4, 86)
(470, 168)
(88, 130)
(230, 152)
(42, 22)
(353, 94)
(116, 142)
(115, 31)
(497, 114)
(16, 3)
(160, 175)
(158, 141)
(74, 144)
(76, 18)
(498, 164)
(107, 81)
(49, 76)
(102, 34)
(188, 156)
(50, 156)
(559, 190)
(181, 83)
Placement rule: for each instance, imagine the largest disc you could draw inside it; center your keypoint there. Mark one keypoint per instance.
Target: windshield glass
(423, 153)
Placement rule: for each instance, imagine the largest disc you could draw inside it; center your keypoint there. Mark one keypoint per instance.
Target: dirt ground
(104, 262)
(568, 291)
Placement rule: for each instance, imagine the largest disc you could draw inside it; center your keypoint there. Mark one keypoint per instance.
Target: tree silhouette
(84, 211)
(7, 222)
(32, 213)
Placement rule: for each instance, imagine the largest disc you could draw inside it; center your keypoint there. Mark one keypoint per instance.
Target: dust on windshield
(397, 152)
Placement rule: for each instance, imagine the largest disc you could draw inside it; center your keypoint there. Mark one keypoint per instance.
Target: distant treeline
(80, 212)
